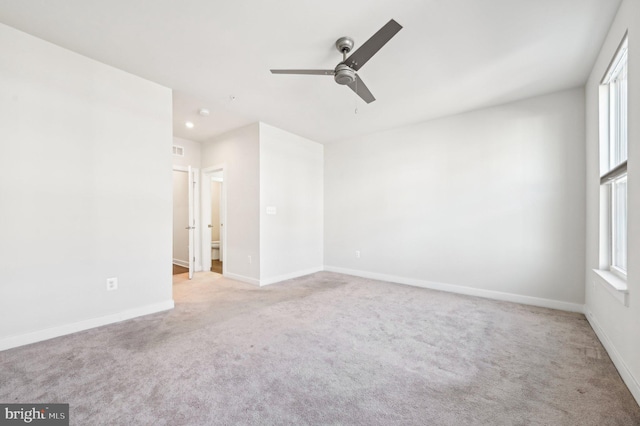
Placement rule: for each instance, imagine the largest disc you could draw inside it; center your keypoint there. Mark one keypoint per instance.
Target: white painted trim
(62, 330)
(452, 288)
(214, 168)
(618, 361)
(615, 285)
(182, 263)
(242, 278)
(197, 241)
(284, 277)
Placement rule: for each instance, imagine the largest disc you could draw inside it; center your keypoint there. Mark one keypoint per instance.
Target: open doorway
(184, 220)
(180, 221)
(215, 224)
(213, 215)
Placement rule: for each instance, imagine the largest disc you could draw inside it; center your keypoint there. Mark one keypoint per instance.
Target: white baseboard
(452, 288)
(289, 276)
(197, 267)
(62, 330)
(618, 361)
(182, 263)
(242, 278)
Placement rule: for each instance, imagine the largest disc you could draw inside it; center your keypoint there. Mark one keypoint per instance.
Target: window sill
(615, 285)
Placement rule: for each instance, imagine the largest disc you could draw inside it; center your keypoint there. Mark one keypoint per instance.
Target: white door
(192, 224)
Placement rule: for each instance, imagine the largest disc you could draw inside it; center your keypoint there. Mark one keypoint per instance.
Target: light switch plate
(112, 284)
(271, 210)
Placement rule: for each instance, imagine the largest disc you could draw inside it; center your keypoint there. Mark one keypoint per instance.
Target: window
(614, 161)
(619, 224)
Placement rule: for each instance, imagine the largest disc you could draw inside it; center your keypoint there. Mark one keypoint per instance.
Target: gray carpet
(327, 349)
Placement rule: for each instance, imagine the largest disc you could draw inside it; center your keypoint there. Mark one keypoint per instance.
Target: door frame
(205, 236)
(194, 208)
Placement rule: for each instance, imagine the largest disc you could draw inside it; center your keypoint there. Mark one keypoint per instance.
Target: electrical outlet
(249, 260)
(112, 284)
(357, 254)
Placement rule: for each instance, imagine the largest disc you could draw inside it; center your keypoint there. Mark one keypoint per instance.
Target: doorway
(184, 220)
(215, 224)
(214, 240)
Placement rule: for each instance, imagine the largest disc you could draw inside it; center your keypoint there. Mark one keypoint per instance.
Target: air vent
(178, 151)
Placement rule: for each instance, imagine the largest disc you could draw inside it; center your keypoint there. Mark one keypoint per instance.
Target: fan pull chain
(356, 98)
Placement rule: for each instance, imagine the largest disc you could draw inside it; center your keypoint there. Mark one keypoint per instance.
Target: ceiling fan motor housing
(344, 44)
(344, 74)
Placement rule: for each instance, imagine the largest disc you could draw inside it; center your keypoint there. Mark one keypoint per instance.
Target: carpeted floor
(326, 349)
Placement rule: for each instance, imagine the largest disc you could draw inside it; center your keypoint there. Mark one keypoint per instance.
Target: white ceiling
(451, 56)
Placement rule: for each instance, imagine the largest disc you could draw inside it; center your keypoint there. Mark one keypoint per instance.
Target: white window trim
(616, 286)
(607, 179)
(612, 264)
(609, 276)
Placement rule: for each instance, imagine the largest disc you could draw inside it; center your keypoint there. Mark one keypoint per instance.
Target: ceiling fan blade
(371, 46)
(361, 90)
(312, 72)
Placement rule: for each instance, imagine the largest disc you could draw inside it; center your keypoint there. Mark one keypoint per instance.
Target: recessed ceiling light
(189, 125)
(203, 112)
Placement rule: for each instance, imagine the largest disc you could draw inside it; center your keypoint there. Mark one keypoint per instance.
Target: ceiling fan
(345, 72)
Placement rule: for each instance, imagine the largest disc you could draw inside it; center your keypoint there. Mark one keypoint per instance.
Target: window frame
(613, 155)
(614, 262)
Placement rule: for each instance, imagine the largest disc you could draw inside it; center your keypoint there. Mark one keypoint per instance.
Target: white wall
(291, 180)
(85, 191)
(617, 326)
(265, 166)
(489, 202)
(238, 150)
(192, 153)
